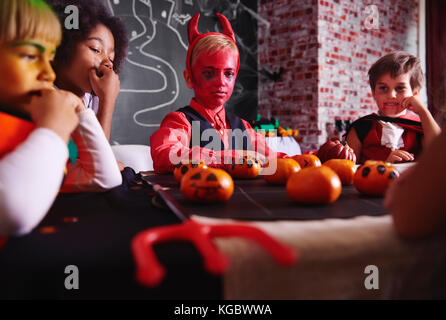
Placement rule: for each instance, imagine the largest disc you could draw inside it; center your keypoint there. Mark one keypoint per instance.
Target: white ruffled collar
(392, 135)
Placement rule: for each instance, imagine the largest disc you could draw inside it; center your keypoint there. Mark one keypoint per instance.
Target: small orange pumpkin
(244, 168)
(335, 149)
(285, 167)
(344, 168)
(373, 177)
(207, 185)
(314, 185)
(307, 160)
(183, 167)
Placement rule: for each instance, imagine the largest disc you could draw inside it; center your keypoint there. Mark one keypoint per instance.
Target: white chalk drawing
(150, 65)
(182, 18)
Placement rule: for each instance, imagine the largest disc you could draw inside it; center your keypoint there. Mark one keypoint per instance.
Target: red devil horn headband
(193, 27)
(194, 35)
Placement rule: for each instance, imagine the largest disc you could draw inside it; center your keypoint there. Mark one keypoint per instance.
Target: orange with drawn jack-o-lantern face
(307, 160)
(244, 168)
(207, 185)
(182, 168)
(373, 177)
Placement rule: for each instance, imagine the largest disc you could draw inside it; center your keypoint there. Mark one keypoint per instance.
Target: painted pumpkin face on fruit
(207, 185)
(244, 168)
(182, 168)
(374, 177)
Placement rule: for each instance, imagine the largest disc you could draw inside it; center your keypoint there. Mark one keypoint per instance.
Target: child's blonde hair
(212, 44)
(28, 19)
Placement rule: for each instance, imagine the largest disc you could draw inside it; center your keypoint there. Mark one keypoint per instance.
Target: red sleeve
(169, 140)
(170, 144)
(258, 143)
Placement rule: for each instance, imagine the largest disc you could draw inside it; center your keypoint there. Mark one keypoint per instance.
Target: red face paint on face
(214, 77)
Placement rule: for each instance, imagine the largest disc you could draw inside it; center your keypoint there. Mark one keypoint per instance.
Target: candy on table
(271, 128)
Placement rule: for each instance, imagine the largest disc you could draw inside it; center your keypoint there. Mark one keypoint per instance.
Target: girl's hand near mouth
(105, 82)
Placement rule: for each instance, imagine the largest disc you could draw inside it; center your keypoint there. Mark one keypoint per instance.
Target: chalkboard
(152, 83)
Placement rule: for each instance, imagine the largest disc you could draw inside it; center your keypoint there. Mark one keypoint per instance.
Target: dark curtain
(436, 56)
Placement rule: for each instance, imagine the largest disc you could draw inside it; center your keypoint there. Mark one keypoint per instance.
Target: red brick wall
(290, 42)
(326, 51)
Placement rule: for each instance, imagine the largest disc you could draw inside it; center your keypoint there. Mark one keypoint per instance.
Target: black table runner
(32, 266)
(257, 200)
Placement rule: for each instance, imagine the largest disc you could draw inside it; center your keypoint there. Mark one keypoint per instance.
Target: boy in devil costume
(212, 65)
(394, 135)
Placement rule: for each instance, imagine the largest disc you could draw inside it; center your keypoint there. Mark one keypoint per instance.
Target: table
(334, 253)
(334, 250)
(93, 232)
(333, 256)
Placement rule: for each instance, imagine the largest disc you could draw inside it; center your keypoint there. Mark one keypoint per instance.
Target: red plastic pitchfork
(149, 271)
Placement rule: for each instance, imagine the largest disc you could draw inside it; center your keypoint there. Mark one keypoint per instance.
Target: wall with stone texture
(326, 49)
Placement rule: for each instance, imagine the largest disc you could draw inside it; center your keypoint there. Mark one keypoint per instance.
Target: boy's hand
(55, 110)
(430, 126)
(414, 104)
(106, 85)
(400, 156)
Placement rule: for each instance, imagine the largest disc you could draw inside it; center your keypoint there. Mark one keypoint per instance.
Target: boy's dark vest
(234, 122)
(369, 132)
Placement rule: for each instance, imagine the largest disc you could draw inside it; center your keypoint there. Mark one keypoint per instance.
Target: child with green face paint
(36, 121)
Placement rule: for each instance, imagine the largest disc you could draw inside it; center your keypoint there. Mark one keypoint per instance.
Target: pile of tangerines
(307, 180)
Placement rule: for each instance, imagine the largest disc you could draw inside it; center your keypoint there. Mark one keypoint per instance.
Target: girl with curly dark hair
(89, 57)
